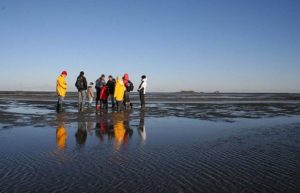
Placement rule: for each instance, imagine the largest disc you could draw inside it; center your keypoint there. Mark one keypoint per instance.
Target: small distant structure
(217, 92)
(187, 92)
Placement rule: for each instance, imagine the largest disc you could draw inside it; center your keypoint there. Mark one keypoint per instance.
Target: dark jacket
(129, 86)
(99, 83)
(111, 86)
(81, 83)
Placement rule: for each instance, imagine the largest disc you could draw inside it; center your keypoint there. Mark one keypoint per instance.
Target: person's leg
(97, 96)
(101, 104)
(142, 99)
(83, 99)
(117, 104)
(120, 105)
(60, 104)
(126, 100)
(112, 100)
(79, 99)
(128, 104)
(105, 104)
(57, 104)
(90, 101)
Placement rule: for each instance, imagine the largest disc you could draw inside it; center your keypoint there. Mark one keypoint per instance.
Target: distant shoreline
(172, 92)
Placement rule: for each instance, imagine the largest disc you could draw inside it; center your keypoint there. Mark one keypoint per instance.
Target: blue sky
(229, 46)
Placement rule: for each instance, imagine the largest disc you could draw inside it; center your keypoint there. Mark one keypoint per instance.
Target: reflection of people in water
(110, 131)
(142, 128)
(61, 139)
(90, 126)
(101, 129)
(61, 132)
(81, 134)
(119, 130)
(129, 131)
(61, 136)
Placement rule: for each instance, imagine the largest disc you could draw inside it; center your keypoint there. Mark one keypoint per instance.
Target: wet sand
(192, 143)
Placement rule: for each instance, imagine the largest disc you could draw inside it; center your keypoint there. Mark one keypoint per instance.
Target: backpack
(80, 83)
(97, 85)
(130, 86)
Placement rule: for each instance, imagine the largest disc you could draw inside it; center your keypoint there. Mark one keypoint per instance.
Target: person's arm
(97, 84)
(141, 86)
(116, 89)
(62, 83)
(85, 83)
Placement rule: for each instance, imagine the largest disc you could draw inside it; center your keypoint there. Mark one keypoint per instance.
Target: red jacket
(104, 93)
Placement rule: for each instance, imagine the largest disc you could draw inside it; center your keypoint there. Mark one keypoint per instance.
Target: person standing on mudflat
(111, 88)
(119, 93)
(99, 84)
(142, 91)
(61, 90)
(129, 87)
(81, 85)
(90, 94)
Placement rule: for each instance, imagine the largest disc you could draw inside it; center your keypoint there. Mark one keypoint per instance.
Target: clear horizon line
(200, 92)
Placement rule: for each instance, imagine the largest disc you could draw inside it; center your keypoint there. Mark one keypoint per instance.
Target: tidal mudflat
(181, 143)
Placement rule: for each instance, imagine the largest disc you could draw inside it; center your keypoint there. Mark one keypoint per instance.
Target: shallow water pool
(152, 155)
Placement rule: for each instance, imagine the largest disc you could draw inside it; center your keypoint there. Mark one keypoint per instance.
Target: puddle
(27, 110)
(144, 154)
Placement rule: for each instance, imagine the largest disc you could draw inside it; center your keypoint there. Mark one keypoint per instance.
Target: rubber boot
(80, 107)
(57, 107)
(119, 106)
(127, 105)
(98, 108)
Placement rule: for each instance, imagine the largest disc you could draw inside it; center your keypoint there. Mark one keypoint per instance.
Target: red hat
(64, 73)
(126, 77)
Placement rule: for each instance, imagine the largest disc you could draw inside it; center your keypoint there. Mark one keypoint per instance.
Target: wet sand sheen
(177, 155)
(179, 147)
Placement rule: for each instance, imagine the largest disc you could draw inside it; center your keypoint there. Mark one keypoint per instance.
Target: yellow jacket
(61, 86)
(119, 90)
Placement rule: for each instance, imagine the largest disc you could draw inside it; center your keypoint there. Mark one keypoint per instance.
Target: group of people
(116, 90)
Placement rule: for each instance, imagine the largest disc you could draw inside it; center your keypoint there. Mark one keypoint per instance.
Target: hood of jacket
(120, 81)
(126, 77)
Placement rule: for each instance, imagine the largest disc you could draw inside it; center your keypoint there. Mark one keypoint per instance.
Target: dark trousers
(119, 105)
(60, 103)
(104, 104)
(142, 99)
(98, 91)
(112, 99)
(126, 97)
